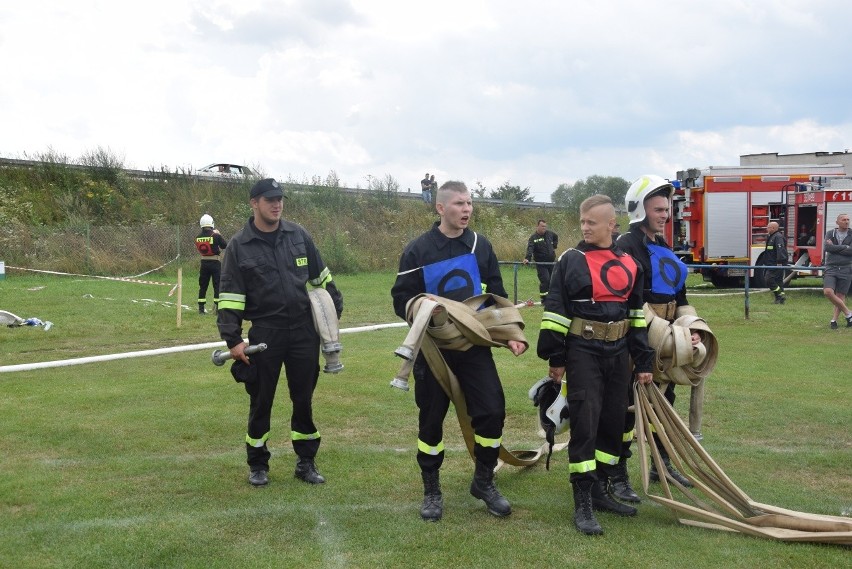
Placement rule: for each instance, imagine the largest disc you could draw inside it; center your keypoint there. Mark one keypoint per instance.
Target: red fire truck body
(720, 215)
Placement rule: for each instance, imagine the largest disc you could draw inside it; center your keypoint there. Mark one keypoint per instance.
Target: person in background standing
(541, 248)
(209, 244)
(775, 254)
(838, 269)
(426, 189)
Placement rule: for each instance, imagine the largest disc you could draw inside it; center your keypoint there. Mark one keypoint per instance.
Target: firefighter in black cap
(267, 267)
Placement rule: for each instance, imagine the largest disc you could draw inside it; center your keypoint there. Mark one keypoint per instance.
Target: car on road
(222, 170)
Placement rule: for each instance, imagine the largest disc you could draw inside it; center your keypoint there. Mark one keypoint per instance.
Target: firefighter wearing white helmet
(648, 203)
(209, 244)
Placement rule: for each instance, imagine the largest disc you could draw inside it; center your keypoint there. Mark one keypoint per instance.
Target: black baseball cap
(266, 188)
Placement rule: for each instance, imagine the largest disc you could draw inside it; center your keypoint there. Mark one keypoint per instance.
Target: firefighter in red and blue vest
(592, 325)
(209, 244)
(453, 262)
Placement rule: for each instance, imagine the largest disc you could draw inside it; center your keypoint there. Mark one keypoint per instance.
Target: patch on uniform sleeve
(301, 261)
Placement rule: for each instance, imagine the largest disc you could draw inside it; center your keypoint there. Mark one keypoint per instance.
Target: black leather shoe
(483, 487)
(584, 516)
(601, 500)
(619, 484)
(433, 500)
(258, 478)
(306, 470)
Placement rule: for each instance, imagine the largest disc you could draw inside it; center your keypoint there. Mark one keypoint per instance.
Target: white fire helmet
(551, 400)
(206, 221)
(642, 189)
(552, 405)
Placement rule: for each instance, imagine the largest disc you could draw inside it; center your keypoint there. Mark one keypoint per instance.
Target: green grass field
(140, 462)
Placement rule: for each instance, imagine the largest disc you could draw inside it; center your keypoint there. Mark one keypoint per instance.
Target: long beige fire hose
(446, 324)
(716, 502)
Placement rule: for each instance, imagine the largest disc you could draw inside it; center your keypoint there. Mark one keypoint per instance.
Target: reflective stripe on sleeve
(555, 322)
(232, 301)
(322, 280)
(637, 319)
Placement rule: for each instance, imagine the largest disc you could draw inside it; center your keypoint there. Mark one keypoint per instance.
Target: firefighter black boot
(201, 308)
(601, 500)
(619, 484)
(584, 517)
(680, 478)
(483, 488)
(433, 501)
(306, 470)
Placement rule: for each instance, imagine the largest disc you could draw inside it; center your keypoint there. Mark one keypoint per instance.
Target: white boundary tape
(161, 351)
(130, 279)
(176, 349)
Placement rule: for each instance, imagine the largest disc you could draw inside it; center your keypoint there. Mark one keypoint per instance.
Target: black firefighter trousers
(297, 350)
(210, 272)
(597, 404)
(483, 393)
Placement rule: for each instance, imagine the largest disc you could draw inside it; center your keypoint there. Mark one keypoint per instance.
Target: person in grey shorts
(838, 269)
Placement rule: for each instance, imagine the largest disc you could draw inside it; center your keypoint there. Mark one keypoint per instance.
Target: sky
(535, 93)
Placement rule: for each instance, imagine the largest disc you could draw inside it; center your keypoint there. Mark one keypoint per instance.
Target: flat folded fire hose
(716, 502)
(484, 320)
(677, 360)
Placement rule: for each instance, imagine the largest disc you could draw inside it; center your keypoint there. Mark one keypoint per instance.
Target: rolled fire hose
(447, 324)
(715, 502)
(677, 360)
(327, 326)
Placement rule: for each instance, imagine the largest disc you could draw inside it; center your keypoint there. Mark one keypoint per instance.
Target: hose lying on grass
(716, 502)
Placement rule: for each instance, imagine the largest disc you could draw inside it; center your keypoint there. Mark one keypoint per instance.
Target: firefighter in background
(648, 203)
(592, 325)
(541, 248)
(209, 244)
(453, 262)
(775, 254)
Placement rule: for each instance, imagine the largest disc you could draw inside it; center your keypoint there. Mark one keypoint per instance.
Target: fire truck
(720, 216)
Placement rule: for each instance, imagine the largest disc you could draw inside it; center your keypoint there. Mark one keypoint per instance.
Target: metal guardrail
(746, 276)
(164, 175)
